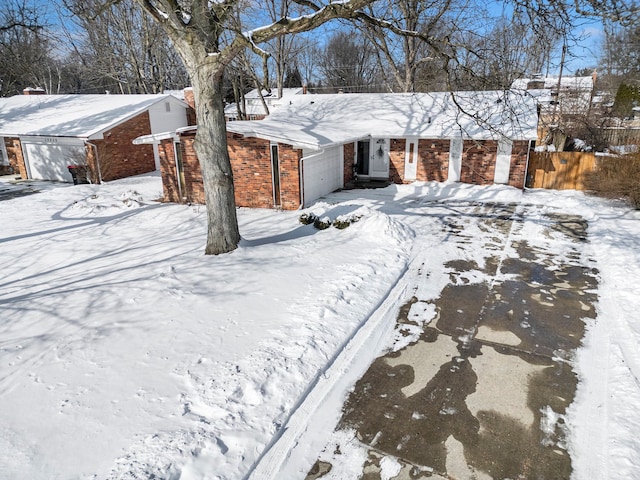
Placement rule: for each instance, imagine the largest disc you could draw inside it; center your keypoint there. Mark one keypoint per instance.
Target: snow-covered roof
(286, 92)
(318, 121)
(566, 83)
(70, 115)
(254, 103)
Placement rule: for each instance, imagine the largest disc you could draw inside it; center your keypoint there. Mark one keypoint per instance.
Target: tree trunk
(211, 147)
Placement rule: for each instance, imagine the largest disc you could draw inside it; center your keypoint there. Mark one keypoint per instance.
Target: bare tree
(307, 61)
(126, 50)
(621, 54)
(403, 57)
(25, 47)
(348, 63)
(512, 49)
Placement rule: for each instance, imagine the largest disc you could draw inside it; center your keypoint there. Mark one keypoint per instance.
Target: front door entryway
(372, 158)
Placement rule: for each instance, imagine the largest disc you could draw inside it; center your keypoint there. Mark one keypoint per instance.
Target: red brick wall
(251, 165)
(349, 154)
(16, 158)
(171, 191)
(191, 111)
(193, 190)
(396, 159)
(194, 185)
(518, 169)
(252, 175)
(118, 156)
(478, 161)
(433, 160)
(289, 176)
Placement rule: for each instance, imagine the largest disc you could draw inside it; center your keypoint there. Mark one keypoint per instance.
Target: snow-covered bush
(322, 223)
(343, 221)
(308, 218)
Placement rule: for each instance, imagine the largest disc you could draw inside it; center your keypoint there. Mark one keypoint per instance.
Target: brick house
(41, 135)
(319, 143)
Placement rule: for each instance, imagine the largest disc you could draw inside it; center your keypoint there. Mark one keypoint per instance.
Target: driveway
(12, 189)
(482, 390)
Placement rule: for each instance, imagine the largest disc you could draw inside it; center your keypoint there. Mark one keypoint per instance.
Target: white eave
(154, 138)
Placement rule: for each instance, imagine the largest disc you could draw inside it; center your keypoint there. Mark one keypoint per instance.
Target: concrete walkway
(483, 393)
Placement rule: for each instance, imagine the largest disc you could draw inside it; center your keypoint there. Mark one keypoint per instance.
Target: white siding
(167, 121)
(322, 174)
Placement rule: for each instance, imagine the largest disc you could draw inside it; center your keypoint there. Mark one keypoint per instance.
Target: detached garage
(42, 135)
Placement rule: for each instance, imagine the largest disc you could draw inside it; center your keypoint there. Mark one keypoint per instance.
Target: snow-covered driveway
(126, 353)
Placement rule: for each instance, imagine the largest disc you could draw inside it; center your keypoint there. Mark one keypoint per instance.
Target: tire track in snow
(325, 393)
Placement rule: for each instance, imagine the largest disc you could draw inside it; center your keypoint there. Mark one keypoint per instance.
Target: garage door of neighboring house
(48, 158)
(322, 173)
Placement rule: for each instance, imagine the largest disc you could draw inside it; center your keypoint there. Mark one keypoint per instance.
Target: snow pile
(98, 205)
(127, 353)
(144, 357)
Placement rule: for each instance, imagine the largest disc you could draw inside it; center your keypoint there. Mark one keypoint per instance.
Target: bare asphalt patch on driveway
(14, 190)
(483, 393)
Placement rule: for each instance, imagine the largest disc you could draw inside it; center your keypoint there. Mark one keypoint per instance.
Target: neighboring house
(41, 135)
(623, 134)
(565, 105)
(316, 144)
(566, 95)
(254, 107)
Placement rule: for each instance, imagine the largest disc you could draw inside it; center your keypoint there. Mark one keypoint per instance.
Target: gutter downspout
(301, 182)
(95, 155)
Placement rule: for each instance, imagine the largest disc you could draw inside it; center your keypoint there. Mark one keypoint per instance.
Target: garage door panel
(322, 174)
(50, 162)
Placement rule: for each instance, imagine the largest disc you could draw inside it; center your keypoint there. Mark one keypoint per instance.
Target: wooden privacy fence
(559, 170)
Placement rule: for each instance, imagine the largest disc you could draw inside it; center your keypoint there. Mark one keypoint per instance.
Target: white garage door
(49, 160)
(322, 173)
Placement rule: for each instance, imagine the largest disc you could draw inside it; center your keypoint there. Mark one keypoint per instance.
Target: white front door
(411, 159)
(379, 155)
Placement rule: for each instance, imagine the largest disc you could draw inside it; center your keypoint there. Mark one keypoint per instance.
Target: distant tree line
(87, 46)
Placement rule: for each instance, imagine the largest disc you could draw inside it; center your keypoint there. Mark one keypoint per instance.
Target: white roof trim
(154, 138)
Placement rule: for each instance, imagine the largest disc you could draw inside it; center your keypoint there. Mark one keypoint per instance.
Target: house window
(275, 169)
(167, 106)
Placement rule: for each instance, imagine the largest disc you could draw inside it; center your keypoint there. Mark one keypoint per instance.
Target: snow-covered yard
(127, 353)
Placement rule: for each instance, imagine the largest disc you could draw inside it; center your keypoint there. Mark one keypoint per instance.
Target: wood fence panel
(559, 170)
